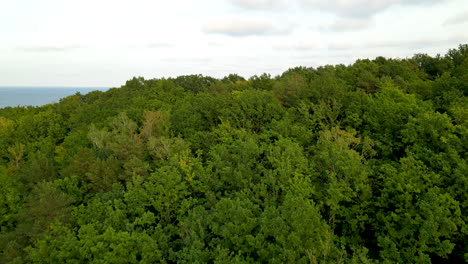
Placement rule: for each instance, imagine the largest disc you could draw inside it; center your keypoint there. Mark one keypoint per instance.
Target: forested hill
(365, 163)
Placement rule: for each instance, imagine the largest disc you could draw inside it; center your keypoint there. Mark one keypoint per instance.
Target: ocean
(37, 96)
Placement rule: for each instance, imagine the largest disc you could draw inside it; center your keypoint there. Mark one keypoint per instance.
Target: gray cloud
(262, 4)
(49, 48)
(348, 24)
(360, 8)
(240, 27)
(457, 19)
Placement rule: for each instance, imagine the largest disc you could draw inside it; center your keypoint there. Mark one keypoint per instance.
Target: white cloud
(49, 48)
(350, 7)
(360, 8)
(341, 46)
(305, 45)
(240, 27)
(94, 45)
(157, 45)
(302, 45)
(348, 24)
(262, 4)
(417, 43)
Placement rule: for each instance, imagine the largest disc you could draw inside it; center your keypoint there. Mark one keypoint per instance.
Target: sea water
(37, 96)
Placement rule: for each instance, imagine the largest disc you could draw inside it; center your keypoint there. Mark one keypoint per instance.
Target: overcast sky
(106, 42)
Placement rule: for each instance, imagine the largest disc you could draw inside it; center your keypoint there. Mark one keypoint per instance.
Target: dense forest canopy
(365, 163)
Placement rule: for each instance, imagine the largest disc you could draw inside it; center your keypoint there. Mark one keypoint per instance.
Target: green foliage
(62, 245)
(387, 113)
(10, 200)
(416, 218)
(252, 109)
(365, 163)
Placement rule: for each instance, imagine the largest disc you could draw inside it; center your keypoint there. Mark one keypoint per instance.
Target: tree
(416, 218)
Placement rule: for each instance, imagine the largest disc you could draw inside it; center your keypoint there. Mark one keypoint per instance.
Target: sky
(103, 43)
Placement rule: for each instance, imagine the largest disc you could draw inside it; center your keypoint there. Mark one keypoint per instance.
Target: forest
(360, 163)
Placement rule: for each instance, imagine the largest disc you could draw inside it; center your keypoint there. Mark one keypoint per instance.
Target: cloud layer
(360, 8)
(302, 45)
(49, 48)
(262, 4)
(457, 19)
(244, 36)
(241, 27)
(348, 24)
